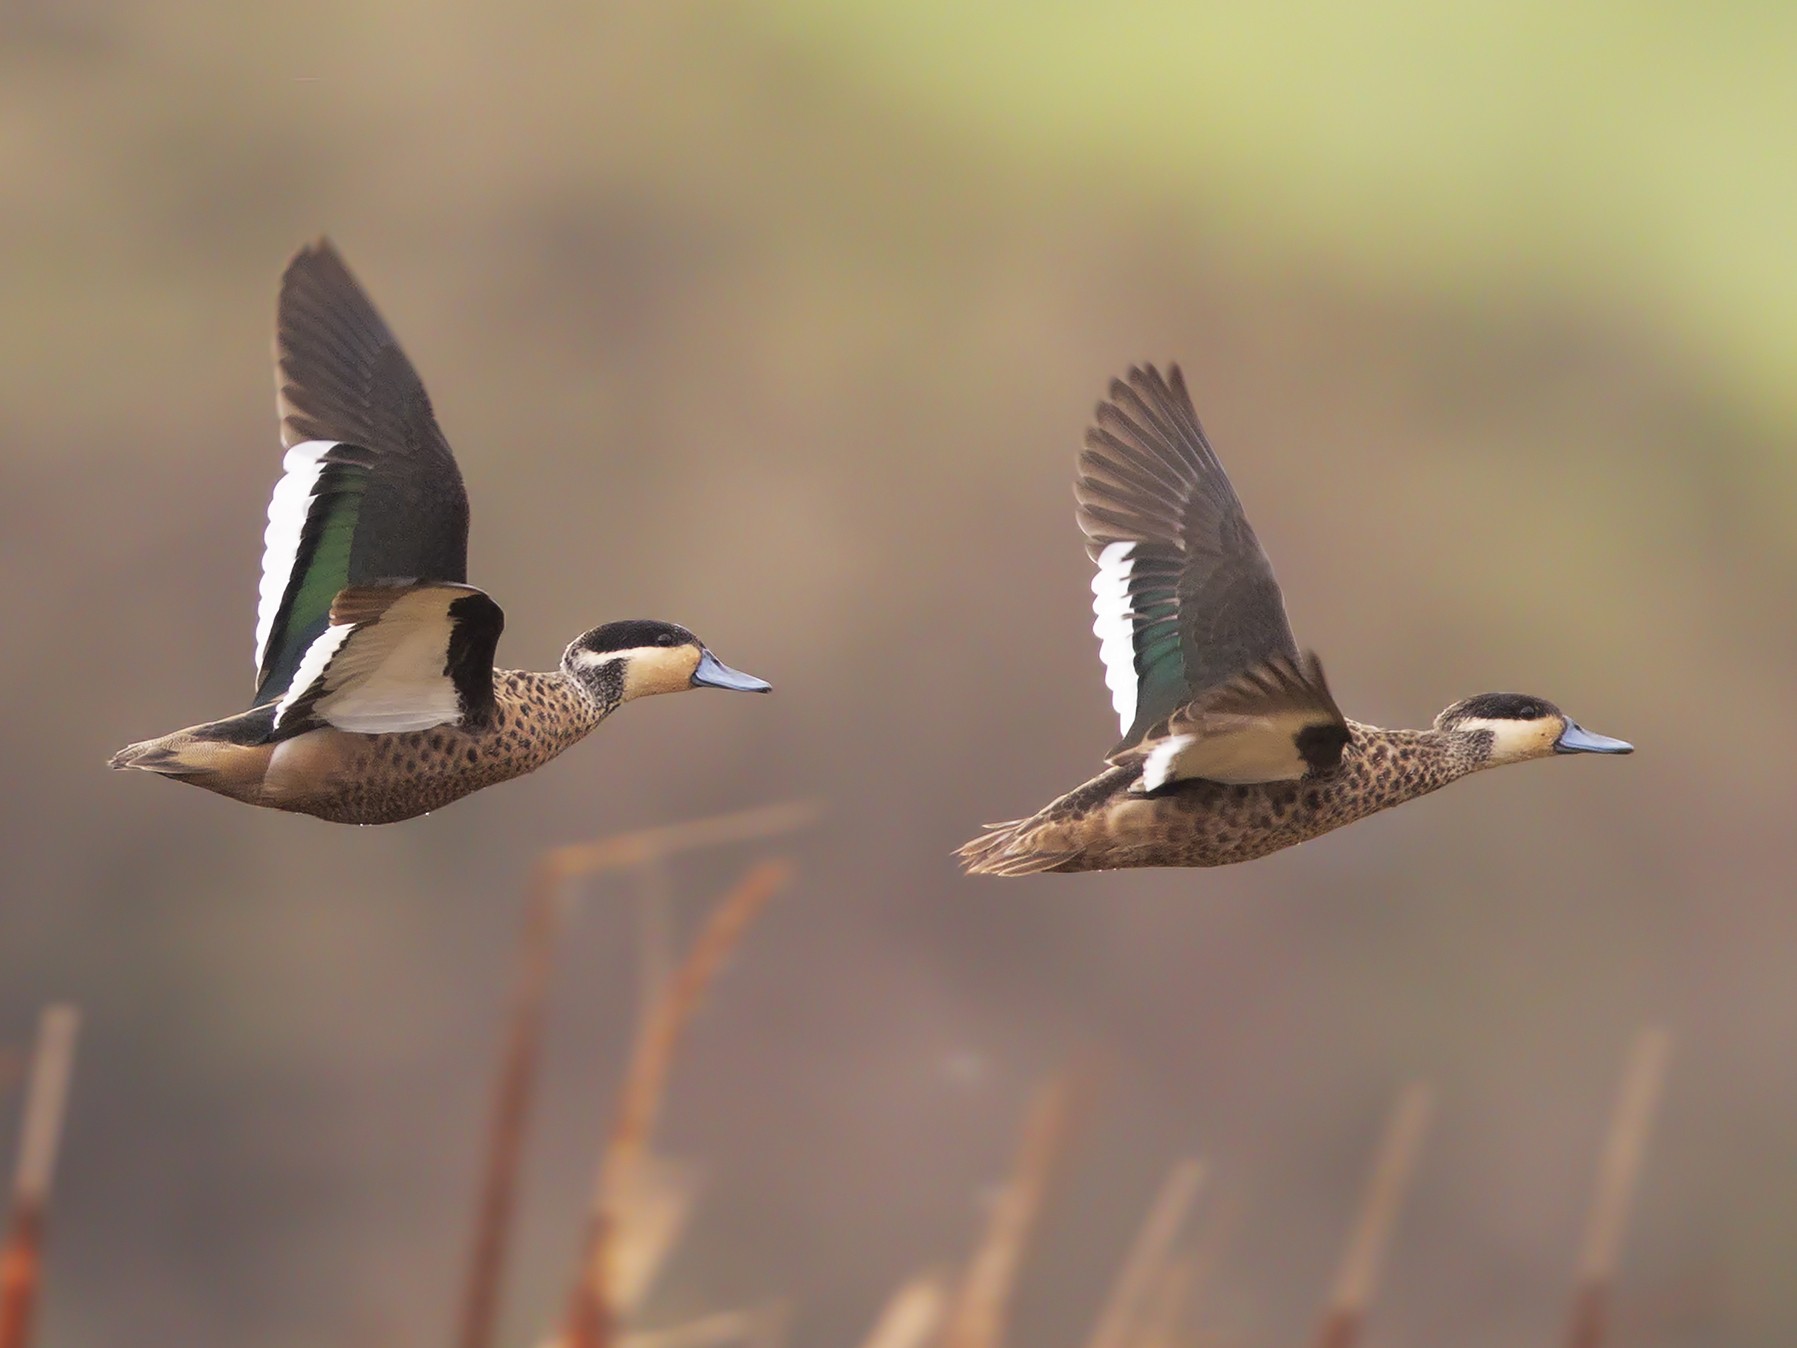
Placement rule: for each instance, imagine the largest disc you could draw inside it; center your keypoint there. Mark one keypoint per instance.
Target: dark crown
(633, 634)
(1502, 707)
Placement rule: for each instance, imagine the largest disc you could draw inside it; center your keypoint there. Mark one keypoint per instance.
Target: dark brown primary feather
(342, 376)
(1206, 605)
(384, 499)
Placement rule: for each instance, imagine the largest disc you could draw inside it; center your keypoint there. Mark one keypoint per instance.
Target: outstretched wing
(371, 491)
(1274, 722)
(396, 658)
(1184, 598)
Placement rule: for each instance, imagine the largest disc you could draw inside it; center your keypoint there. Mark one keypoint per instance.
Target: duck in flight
(376, 696)
(1232, 745)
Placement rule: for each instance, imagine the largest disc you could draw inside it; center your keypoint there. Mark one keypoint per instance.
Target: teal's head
(1516, 727)
(642, 656)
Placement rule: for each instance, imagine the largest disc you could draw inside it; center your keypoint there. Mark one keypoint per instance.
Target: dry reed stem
(46, 1097)
(656, 1199)
(1167, 1301)
(747, 1328)
(545, 915)
(590, 1311)
(625, 850)
(546, 911)
(1123, 1310)
(1183, 1305)
(977, 1318)
(1358, 1278)
(913, 1315)
(1619, 1170)
(770, 1326)
(655, 936)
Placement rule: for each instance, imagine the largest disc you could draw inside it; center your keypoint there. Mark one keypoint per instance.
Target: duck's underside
(332, 774)
(1105, 825)
(1109, 823)
(350, 778)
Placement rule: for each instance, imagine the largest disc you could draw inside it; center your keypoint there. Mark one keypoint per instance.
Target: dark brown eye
(665, 639)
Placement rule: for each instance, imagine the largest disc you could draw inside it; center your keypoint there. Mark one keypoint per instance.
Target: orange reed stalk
(1120, 1323)
(547, 907)
(978, 1317)
(589, 1321)
(1619, 1169)
(912, 1315)
(1358, 1277)
(625, 850)
(1183, 1298)
(46, 1095)
(545, 914)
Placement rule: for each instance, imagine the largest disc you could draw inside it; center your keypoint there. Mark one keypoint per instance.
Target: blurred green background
(783, 321)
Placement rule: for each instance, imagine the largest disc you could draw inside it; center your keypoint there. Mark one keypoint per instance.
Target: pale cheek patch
(1114, 627)
(659, 669)
(647, 669)
(1514, 741)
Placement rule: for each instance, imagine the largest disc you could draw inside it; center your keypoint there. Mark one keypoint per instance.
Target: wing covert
(397, 658)
(1276, 721)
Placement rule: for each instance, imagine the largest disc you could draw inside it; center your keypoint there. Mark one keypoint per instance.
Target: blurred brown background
(784, 322)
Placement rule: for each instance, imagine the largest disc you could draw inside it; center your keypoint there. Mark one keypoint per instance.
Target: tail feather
(1013, 848)
(1073, 833)
(194, 758)
(151, 756)
(231, 757)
